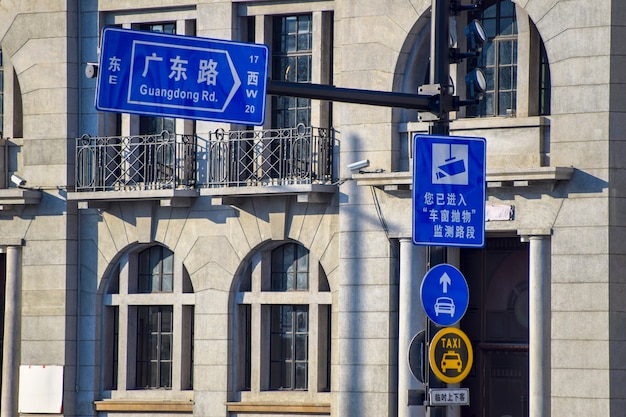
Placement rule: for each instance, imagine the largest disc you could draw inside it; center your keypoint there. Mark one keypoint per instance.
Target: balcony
(133, 163)
(224, 164)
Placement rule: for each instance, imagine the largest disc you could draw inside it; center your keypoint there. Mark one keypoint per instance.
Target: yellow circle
(452, 358)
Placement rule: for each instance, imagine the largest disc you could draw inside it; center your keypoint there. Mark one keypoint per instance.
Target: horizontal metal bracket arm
(352, 95)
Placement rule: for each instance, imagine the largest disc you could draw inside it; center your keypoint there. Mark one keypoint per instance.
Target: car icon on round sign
(451, 360)
(444, 305)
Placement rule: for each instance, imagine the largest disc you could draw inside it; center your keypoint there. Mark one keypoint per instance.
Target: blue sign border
(238, 99)
(456, 289)
(467, 225)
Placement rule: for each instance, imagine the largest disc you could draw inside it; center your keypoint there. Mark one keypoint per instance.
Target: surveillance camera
(91, 70)
(359, 164)
(17, 180)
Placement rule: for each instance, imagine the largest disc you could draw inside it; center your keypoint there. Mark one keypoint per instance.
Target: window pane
(168, 283)
(507, 26)
(154, 346)
(290, 24)
(507, 8)
(489, 25)
(488, 54)
(276, 375)
(154, 374)
(504, 102)
(166, 319)
(505, 78)
(301, 376)
(287, 376)
(166, 347)
(276, 354)
(287, 347)
(302, 319)
(303, 281)
(168, 262)
(301, 347)
(166, 374)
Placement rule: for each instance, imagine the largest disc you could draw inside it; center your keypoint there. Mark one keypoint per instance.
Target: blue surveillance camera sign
(187, 77)
(449, 191)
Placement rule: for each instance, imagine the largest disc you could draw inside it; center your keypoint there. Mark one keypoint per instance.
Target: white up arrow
(445, 281)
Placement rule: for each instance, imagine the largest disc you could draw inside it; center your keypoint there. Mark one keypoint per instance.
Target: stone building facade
(178, 267)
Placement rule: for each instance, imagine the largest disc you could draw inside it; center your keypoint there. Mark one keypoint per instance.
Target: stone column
(413, 265)
(12, 319)
(539, 281)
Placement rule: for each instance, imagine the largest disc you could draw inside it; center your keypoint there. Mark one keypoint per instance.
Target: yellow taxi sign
(451, 355)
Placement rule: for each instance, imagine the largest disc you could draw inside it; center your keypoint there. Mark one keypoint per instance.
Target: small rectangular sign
(449, 396)
(186, 77)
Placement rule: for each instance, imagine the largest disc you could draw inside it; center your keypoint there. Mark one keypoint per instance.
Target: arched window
(283, 316)
(148, 323)
(508, 71)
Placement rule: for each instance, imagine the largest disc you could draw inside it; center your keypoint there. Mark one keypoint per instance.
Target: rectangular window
(149, 125)
(292, 53)
(544, 83)
(187, 336)
(289, 341)
(323, 382)
(112, 336)
(244, 348)
(154, 346)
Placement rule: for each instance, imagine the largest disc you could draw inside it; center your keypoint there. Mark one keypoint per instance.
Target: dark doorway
(497, 324)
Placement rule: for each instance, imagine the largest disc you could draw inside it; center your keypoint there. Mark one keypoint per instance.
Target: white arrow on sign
(445, 281)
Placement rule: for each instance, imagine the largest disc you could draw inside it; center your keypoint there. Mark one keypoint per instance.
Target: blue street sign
(187, 77)
(449, 191)
(444, 294)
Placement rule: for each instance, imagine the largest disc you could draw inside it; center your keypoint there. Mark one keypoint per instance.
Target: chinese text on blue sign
(181, 76)
(449, 191)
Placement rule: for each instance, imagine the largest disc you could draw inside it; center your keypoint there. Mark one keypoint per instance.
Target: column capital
(527, 234)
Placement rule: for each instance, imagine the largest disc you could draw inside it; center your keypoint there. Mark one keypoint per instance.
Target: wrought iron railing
(129, 163)
(300, 155)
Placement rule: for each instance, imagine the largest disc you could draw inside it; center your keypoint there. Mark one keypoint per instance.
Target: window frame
(122, 303)
(256, 25)
(254, 301)
(493, 67)
(291, 111)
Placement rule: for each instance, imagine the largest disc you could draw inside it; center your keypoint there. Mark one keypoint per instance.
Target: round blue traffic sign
(444, 294)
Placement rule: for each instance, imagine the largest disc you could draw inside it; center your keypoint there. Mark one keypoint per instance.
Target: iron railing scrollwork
(299, 155)
(141, 162)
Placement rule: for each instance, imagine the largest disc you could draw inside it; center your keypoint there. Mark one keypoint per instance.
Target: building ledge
(144, 406)
(305, 193)
(495, 179)
(278, 408)
(102, 199)
(15, 199)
